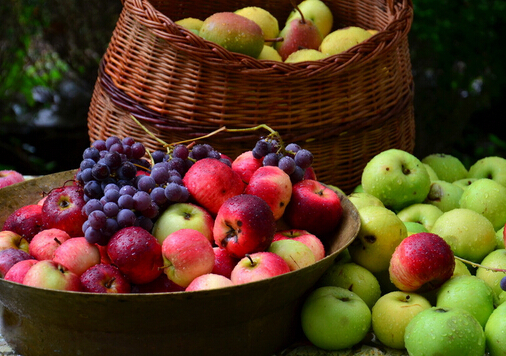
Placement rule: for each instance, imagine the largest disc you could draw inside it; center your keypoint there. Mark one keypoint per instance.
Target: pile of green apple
(427, 271)
(306, 36)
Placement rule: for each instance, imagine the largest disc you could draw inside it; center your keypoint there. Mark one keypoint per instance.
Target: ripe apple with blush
(18, 271)
(244, 224)
(211, 182)
(187, 254)
(10, 239)
(274, 186)
(246, 164)
(62, 209)
(258, 266)
(9, 257)
(51, 275)
(136, 253)
(310, 240)
(104, 278)
(421, 262)
(77, 255)
(224, 263)
(25, 221)
(314, 207)
(209, 281)
(44, 243)
(9, 177)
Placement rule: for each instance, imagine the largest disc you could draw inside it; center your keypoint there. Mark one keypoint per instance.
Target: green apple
(444, 331)
(191, 23)
(495, 331)
(464, 183)
(380, 232)
(460, 269)
(469, 293)
(495, 259)
(487, 197)
(264, 19)
(361, 199)
(334, 318)
(492, 167)
(423, 213)
(392, 313)
(305, 54)
(183, 216)
(355, 278)
(444, 195)
(470, 234)
(295, 253)
(499, 235)
(414, 227)
(316, 11)
(397, 178)
(343, 39)
(502, 298)
(233, 32)
(432, 173)
(270, 54)
(447, 167)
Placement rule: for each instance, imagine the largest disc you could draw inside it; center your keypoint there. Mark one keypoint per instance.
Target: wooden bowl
(259, 318)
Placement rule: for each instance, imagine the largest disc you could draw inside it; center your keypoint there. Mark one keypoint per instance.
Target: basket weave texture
(345, 108)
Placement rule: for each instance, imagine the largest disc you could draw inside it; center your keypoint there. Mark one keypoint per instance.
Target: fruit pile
(427, 271)
(306, 36)
(181, 218)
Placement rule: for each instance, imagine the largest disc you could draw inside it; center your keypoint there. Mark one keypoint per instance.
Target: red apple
(309, 173)
(62, 209)
(136, 253)
(421, 262)
(77, 255)
(310, 240)
(273, 185)
(9, 177)
(162, 284)
(44, 244)
(10, 257)
(224, 263)
(313, 207)
(51, 275)
(211, 182)
(18, 271)
(25, 221)
(258, 266)
(209, 281)
(104, 278)
(245, 165)
(9, 239)
(244, 224)
(187, 254)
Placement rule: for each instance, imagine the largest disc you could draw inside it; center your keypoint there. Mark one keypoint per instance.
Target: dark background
(50, 50)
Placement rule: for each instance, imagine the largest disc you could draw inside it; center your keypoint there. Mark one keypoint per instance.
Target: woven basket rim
(160, 25)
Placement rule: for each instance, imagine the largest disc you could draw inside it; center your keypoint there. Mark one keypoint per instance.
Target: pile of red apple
(244, 222)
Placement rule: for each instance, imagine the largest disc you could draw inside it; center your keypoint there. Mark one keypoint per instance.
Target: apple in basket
(9, 177)
(44, 244)
(51, 275)
(25, 221)
(10, 239)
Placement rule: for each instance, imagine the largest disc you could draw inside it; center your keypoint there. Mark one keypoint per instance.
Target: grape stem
(474, 264)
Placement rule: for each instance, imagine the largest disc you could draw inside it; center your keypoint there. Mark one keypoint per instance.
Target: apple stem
(109, 283)
(302, 19)
(474, 264)
(57, 241)
(275, 39)
(250, 259)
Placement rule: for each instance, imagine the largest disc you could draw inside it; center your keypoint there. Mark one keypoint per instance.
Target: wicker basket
(345, 108)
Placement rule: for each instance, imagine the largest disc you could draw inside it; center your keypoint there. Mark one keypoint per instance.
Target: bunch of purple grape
(292, 159)
(124, 189)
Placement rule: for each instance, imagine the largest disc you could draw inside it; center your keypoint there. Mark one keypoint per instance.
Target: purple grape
(91, 153)
(112, 195)
(303, 158)
(160, 174)
(175, 179)
(261, 149)
(110, 186)
(127, 171)
(87, 163)
(116, 147)
(271, 159)
(127, 151)
(291, 149)
(180, 151)
(111, 140)
(287, 164)
(125, 218)
(110, 209)
(128, 141)
(158, 156)
(178, 165)
(158, 195)
(86, 175)
(97, 219)
(99, 145)
(128, 190)
(112, 159)
(146, 183)
(111, 226)
(503, 283)
(144, 222)
(213, 154)
(199, 151)
(151, 211)
(138, 150)
(92, 235)
(126, 202)
(93, 190)
(92, 205)
(297, 175)
(142, 200)
(173, 192)
(100, 171)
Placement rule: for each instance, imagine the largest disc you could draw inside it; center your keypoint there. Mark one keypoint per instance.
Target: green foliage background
(456, 55)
